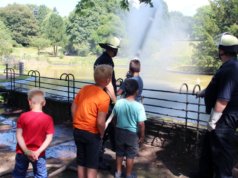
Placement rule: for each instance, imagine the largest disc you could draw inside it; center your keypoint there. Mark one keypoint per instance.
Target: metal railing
(174, 106)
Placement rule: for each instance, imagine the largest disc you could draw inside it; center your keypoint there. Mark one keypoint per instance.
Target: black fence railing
(181, 107)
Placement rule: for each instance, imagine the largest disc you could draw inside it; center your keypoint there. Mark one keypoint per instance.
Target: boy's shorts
(22, 163)
(126, 143)
(88, 145)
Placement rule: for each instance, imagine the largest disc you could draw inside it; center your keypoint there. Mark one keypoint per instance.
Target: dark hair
(135, 66)
(131, 87)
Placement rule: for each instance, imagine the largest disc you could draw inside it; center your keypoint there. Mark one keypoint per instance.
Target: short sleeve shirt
(90, 100)
(224, 86)
(35, 126)
(129, 114)
(140, 83)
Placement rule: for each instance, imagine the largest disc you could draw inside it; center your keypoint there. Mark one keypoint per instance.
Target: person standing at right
(221, 100)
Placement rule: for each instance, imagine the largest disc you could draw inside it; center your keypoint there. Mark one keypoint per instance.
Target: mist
(153, 35)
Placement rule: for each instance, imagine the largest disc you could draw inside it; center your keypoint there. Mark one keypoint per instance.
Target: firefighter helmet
(228, 43)
(112, 42)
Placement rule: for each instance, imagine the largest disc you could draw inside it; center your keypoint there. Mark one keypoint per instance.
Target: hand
(141, 140)
(200, 94)
(36, 154)
(214, 118)
(235, 172)
(30, 155)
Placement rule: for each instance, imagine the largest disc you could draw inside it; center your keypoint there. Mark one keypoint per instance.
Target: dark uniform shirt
(224, 86)
(106, 59)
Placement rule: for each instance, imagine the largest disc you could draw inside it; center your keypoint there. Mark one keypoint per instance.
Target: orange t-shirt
(90, 100)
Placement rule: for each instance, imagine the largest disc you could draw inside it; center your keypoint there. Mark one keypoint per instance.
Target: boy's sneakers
(132, 176)
(118, 175)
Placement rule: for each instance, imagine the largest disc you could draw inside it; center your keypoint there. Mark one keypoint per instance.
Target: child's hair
(135, 65)
(131, 87)
(102, 73)
(37, 96)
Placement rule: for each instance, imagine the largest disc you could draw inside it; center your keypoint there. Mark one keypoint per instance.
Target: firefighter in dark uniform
(221, 100)
(111, 48)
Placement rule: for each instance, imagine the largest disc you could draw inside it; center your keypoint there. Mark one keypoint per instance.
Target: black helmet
(228, 43)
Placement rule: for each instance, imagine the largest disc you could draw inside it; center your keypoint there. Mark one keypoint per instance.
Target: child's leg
(129, 166)
(119, 161)
(21, 166)
(39, 168)
(91, 173)
(82, 172)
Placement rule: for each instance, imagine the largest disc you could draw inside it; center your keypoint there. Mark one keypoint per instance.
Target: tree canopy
(5, 40)
(54, 30)
(89, 25)
(210, 21)
(21, 22)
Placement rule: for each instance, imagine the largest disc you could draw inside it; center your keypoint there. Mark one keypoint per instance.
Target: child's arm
(73, 109)
(21, 141)
(110, 91)
(141, 131)
(43, 147)
(22, 144)
(101, 123)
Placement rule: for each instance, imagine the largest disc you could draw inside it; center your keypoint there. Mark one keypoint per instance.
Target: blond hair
(37, 96)
(102, 73)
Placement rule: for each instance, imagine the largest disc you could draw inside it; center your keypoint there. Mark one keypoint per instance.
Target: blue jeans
(22, 163)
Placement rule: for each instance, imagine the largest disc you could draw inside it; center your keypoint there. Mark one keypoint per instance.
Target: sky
(64, 7)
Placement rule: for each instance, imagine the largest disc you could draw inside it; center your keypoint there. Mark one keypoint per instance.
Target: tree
(5, 40)
(40, 43)
(89, 25)
(40, 13)
(21, 22)
(205, 29)
(125, 3)
(210, 21)
(54, 30)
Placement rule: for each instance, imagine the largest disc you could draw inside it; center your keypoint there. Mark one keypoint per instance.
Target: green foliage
(54, 30)
(91, 23)
(125, 3)
(21, 22)
(40, 43)
(210, 21)
(5, 40)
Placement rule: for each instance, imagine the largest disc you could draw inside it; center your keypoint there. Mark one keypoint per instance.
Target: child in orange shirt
(89, 111)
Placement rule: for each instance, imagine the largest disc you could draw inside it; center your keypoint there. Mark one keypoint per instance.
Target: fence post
(73, 80)
(21, 68)
(197, 86)
(35, 74)
(6, 70)
(186, 108)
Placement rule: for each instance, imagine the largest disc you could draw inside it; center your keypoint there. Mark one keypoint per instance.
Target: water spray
(145, 34)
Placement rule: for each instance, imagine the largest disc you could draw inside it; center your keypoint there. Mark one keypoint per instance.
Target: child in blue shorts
(130, 116)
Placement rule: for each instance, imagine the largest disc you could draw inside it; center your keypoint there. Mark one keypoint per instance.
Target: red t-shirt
(35, 126)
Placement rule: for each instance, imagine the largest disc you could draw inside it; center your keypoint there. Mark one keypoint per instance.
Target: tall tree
(54, 30)
(21, 22)
(210, 21)
(5, 40)
(89, 25)
(205, 29)
(40, 43)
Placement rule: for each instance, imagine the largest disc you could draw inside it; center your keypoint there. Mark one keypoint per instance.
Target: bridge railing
(181, 107)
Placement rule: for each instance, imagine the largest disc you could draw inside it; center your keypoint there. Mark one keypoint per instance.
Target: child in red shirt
(34, 133)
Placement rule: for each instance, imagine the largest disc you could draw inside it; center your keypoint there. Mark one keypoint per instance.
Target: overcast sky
(64, 7)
